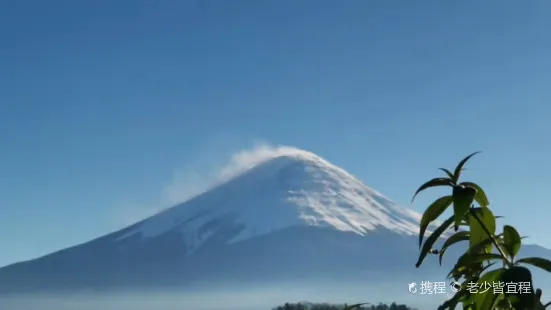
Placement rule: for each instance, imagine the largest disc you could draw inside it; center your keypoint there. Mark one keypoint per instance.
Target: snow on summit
(276, 189)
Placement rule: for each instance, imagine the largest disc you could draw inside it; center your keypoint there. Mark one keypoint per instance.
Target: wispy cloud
(207, 171)
(192, 181)
(245, 159)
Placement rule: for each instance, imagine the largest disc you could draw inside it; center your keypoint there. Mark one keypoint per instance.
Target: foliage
(487, 248)
(325, 306)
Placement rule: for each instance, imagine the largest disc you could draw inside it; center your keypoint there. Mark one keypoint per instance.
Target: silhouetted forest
(325, 306)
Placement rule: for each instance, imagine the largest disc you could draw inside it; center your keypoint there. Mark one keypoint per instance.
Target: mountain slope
(292, 217)
(296, 189)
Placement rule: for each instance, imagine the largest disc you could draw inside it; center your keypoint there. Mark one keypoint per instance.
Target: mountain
(291, 218)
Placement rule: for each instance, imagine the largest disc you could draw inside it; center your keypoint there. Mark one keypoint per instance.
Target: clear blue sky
(101, 102)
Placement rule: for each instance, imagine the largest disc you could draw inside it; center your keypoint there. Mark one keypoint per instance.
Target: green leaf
(517, 274)
(520, 274)
(459, 167)
(452, 302)
(482, 245)
(463, 198)
(432, 183)
(448, 173)
(487, 299)
(538, 262)
(463, 223)
(514, 300)
(481, 223)
(503, 303)
(432, 239)
(480, 196)
(499, 301)
(511, 240)
(481, 257)
(455, 273)
(457, 237)
(433, 212)
(471, 259)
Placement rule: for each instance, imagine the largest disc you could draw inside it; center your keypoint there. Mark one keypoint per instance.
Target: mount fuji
(292, 217)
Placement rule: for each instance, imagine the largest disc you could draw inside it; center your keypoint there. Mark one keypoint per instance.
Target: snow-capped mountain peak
(290, 188)
(289, 217)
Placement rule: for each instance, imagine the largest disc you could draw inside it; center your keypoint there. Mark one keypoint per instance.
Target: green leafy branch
(486, 248)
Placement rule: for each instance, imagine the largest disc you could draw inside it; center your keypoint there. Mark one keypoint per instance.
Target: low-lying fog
(240, 298)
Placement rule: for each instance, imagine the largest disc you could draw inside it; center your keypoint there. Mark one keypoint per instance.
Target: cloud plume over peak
(201, 175)
(188, 183)
(248, 158)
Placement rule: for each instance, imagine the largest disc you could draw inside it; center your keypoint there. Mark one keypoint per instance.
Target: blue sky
(106, 105)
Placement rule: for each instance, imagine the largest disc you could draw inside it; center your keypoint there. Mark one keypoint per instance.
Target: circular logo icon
(412, 287)
(455, 286)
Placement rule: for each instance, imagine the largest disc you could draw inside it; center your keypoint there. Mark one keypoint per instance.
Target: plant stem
(491, 237)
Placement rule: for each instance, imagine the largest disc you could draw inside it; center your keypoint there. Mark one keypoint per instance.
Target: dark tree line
(325, 306)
